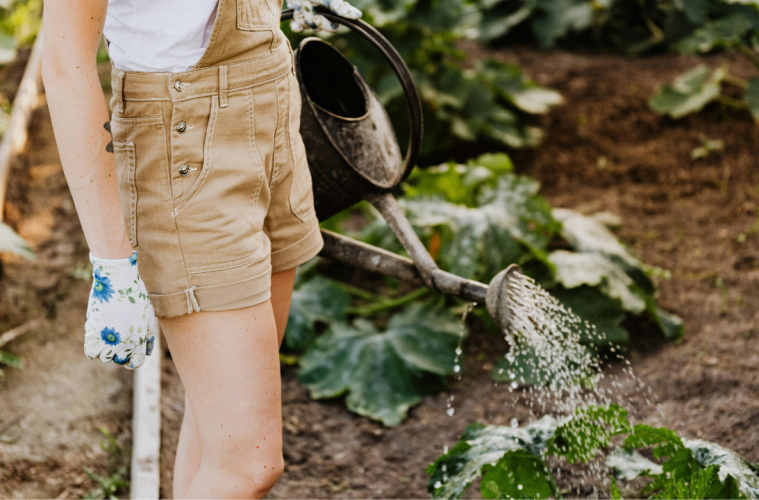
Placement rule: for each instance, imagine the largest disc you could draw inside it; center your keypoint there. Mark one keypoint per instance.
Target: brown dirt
(604, 150)
(51, 411)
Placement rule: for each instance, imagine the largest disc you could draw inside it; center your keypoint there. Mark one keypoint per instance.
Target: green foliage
(665, 444)
(752, 97)
(20, 20)
(508, 477)
(478, 218)
(744, 475)
(108, 486)
(11, 361)
(384, 373)
(314, 301)
(10, 242)
(590, 429)
(509, 457)
(629, 26)
(615, 494)
(484, 445)
(689, 93)
(114, 482)
(695, 486)
(491, 101)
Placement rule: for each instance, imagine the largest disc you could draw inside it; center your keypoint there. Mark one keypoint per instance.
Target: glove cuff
(114, 263)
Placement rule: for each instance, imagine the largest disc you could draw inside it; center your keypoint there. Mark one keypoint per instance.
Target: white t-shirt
(158, 35)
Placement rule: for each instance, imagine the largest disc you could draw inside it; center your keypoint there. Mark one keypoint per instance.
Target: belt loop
(192, 302)
(118, 88)
(223, 101)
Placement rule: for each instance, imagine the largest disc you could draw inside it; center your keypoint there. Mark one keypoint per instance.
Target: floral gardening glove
(305, 17)
(121, 326)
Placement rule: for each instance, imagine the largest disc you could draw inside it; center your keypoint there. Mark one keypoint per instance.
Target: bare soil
(604, 150)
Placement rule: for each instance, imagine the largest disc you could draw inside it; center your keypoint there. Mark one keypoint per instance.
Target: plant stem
(748, 52)
(733, 103)
(388, 304)
(358, 292)
(735, 80)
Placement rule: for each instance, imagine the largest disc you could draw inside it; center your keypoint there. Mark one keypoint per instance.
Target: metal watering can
(353, 154)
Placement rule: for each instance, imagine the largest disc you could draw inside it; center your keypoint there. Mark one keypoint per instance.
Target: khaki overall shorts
(212, 173)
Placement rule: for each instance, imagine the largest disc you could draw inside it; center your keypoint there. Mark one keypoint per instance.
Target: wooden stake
(146, 427)
(27, 98)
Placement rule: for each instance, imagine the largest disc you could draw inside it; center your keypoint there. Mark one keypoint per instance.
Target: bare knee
(265, 476)
(245, 477)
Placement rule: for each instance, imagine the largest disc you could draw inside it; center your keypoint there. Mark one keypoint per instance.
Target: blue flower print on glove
(121, 326)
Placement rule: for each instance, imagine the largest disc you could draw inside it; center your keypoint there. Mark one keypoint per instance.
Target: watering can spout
(345, 250)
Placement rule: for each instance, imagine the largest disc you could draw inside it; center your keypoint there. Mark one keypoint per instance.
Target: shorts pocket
(220, 220)
(256, 15)
(301, 190)
(126, 166)
(139, 151)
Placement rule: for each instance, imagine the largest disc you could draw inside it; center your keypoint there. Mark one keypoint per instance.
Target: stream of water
(552, 369)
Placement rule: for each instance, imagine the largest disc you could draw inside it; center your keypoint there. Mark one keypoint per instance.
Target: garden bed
(604, 150)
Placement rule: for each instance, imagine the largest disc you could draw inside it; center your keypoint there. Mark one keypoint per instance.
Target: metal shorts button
(184, 169)
(178, 86)
(181, 127)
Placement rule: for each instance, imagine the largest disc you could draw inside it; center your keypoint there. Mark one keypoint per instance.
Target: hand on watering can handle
(121, 326)
(305, 17)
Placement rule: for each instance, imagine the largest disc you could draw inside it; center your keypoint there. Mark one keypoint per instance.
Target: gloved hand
(305, 17)
(121, 326)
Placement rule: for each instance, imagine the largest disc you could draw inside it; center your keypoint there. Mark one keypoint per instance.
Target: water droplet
(450, 411)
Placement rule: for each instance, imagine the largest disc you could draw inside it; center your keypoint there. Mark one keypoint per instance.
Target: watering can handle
(401, 71)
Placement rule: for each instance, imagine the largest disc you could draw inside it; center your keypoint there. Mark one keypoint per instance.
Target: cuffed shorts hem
(299, 252)
(237, 295)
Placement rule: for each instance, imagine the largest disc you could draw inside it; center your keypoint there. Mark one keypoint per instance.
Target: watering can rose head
(304, 16)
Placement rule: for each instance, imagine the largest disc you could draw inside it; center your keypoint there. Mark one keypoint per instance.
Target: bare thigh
(188, 450)
(229, 365)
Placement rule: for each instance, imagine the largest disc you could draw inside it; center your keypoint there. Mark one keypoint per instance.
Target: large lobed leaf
(485, 445)
(604, 264)
(317, 300)
(511, 460)
(577, 269)
(725, 32)
(511, 224)
(515, 471)
(745, 474)
(689, 93)
(384, 373)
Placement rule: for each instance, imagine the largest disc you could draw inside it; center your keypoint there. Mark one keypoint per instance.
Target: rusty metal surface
(350, 159)
(369, 144)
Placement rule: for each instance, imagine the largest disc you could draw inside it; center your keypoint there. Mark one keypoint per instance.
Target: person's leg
(187, 459)
(281, 293)
(188, 456)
